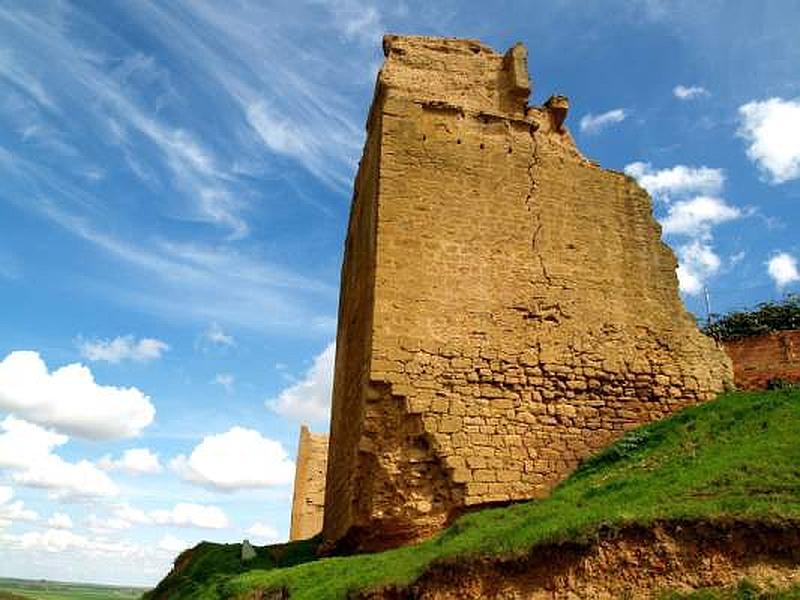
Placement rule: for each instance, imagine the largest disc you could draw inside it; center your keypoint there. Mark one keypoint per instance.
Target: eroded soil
(634, 562)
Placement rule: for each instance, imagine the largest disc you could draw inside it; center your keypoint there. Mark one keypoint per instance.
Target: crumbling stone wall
(507, 306)
(309, 485)
(761, 359)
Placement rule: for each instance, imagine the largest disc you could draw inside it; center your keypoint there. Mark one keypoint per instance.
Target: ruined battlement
(461, 74)
(507, 307)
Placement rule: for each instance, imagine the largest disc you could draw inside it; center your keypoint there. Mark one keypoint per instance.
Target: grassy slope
(736, 457)
(210, 565)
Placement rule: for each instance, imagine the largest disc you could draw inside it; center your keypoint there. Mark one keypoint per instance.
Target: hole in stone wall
(483, 146)
(424, 137)
(422, 443)
(509, 150)
(458, 141)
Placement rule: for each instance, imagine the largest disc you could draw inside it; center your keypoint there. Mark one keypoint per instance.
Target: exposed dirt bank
(634, 562)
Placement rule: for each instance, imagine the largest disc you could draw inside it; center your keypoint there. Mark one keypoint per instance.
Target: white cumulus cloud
(23, 444)
(26, 449)
(679, 180)
(70, 400)
(239, 458)
(309, 400)
(61, 540)
(595, 123)
(172, 544)
(691, 92)
(123, 348)
(131, 514)
(183, 514)
(216, 336)
(694, 207)
(67, 480)
(191, 515)
(782, 268)
(262, 533)
(13, 511)
(772, 129)
(60, 521)
(134, 461)
(696, 217)
(697, 262)
(123, 516)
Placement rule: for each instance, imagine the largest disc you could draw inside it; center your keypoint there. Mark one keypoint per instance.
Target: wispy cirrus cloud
(200, 283)
(108, 98)
(228, 107)
(283, 94)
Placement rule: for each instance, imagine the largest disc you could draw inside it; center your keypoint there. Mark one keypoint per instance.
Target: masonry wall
(760, 359)
(309, 485)
(507, 306)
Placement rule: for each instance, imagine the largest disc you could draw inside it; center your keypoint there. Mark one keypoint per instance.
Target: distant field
(19, 589)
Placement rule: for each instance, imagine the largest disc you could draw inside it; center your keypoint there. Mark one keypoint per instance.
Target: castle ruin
(309, 485)
(507, 306)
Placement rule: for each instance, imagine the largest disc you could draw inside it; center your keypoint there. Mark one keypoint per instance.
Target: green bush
(765, 318)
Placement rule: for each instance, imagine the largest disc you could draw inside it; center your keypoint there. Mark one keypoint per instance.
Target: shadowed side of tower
(507, 307)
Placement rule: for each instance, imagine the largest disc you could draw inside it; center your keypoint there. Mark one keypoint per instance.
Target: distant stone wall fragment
(309, 485)
(248, 553)
(765, 360)
(507, 307)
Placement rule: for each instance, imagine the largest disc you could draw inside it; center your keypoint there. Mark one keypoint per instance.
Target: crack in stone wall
(487, 344)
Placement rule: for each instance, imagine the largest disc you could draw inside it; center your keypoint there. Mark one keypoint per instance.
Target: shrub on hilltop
(767, 317)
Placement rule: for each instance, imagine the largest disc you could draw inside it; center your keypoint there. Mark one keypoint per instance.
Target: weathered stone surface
(759, 360)
(248, 552)
(309, 485)
(507, 307)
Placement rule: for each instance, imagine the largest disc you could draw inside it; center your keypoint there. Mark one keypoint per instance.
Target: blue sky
(175, 181)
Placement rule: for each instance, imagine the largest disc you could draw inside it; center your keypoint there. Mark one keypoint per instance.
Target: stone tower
(309, 485)
(507, 307)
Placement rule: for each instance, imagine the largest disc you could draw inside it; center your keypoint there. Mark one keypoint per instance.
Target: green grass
(213, 564)
(737, 457)
(19, 589)
(744, 591)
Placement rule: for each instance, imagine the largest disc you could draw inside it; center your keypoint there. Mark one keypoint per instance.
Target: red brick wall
(757, 360)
